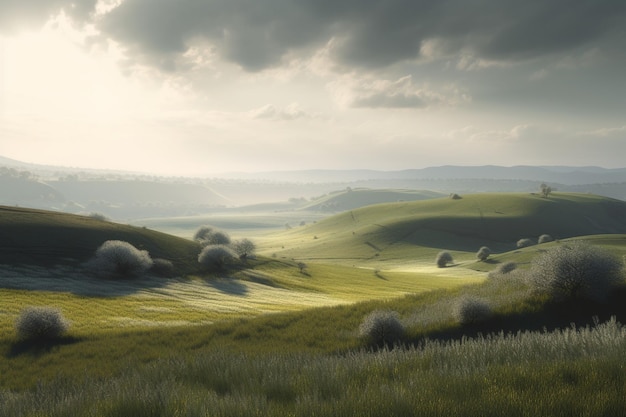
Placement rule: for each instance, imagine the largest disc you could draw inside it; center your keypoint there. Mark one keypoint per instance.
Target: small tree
(40, 323)
(119, 259)
(443, 259)
(244, 247)
(545, 239)
(523, 243)
(217, 257)
(545, 190)
(472, 310)
(381, 328)
(576, 270)
(483, 253)
(207, 235)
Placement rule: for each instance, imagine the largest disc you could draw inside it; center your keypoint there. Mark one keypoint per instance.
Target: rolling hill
(38, 237)
(498, 220)
(350, 199)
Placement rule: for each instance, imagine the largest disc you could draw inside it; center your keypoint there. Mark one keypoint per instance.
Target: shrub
(545, 239)
(382, 328)
(40, 323)
(119, 259)
(207, 235)
(503, 269)
(244, 247)
(217, 257)
(443, 259)
(575, 270)
(163, 267)
(471, 310)
(506, 267)
(523, 243)
(483, 253)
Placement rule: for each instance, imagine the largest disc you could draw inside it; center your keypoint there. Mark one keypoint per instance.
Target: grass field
(279, 336)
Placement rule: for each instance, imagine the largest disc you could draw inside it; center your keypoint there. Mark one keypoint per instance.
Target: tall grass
(566, 372)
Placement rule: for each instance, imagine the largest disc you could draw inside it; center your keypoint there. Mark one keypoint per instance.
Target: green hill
(29, 236)
(351, 199)
(498, 220)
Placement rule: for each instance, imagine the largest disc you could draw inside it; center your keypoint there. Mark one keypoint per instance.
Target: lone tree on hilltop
(545, 190)
(443, 259)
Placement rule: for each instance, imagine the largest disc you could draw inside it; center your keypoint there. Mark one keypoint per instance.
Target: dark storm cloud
(367, 33)
(14, 14)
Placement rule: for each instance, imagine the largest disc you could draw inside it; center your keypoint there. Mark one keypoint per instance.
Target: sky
(200, 87)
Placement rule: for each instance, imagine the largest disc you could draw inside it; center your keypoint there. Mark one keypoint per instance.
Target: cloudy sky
(196, 87)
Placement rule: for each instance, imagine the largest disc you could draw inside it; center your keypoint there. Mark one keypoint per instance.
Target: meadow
(280, 334)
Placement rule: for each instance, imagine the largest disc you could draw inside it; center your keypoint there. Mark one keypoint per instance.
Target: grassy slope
(47, 238)
(352, 199)
(393, 232)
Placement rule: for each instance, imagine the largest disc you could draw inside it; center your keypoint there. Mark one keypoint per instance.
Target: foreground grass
(561, 373)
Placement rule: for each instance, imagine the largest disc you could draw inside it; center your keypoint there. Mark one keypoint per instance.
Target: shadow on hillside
(229, 286)
(554, 315)
(74, 280)
(38, 347)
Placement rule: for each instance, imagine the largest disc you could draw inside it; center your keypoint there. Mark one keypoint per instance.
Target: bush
(483, 253)
(443, 259)
(382, 328)
(545, 239)
(163, 267)
(523, 243)
(207, 235)
(576, 270)
(217, 257)
(40, 323)
(505, 268)
(244, 247)
(119, 259)
(471, 310)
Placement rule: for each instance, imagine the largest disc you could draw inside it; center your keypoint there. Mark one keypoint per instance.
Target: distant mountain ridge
(567, 175)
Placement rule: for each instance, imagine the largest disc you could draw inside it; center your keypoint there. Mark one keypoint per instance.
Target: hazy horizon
(197, 87)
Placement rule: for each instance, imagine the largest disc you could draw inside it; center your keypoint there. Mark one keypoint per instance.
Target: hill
(498, 220)
(38, 237)
(350, 199)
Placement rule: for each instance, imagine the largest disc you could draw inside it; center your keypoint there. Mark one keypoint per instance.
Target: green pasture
(278, 335)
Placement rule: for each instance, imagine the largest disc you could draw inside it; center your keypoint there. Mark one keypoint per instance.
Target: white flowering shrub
(382, 328)
(503, 269)
(443, 259)
(575, 270)
(472, 310)
(483, 253)
(545, 239)
(40, 323)
(523, 243)
(207, 235)
(244, 247)
(217, 257)
(119, 259)
(162, 267)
